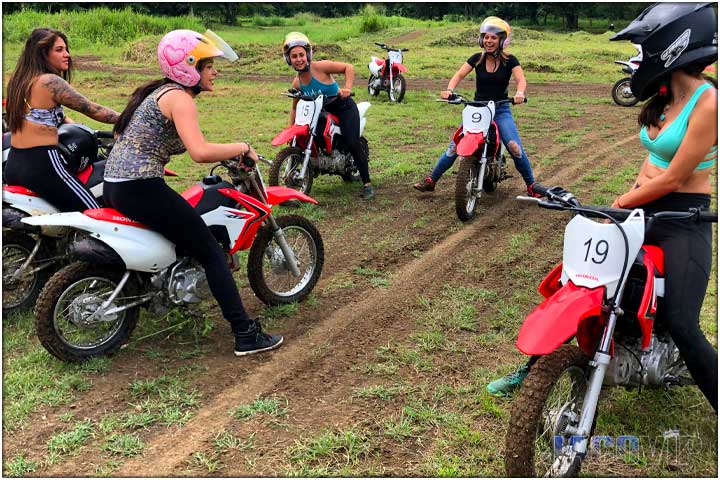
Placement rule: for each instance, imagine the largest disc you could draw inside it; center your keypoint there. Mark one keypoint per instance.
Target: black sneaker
(367, 192)
(253, 340)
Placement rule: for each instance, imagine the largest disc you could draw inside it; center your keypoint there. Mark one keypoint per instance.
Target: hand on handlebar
(518, 99)
(447, 94)
(344, 92)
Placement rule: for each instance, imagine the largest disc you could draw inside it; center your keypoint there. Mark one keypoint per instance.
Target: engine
(658, 366)
(337, 162)
(188, 284)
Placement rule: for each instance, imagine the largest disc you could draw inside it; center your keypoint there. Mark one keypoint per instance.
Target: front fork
(290, 259)
(481, 173)
(307, 153)
(599, 364)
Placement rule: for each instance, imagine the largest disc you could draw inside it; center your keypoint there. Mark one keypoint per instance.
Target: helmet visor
(217, 42)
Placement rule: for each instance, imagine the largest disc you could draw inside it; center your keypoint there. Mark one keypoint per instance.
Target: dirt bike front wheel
(21, 289)
(65, 315)
(397, 93)
(621, 93)
(286, 168)
(466, 188)
(538, 442)
(270, 277)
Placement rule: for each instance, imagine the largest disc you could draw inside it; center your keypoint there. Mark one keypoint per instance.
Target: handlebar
(457, 99)
(294, 93)
(104, 134)
(557, 198)
(383, 46)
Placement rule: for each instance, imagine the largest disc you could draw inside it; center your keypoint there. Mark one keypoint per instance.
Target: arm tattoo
(66, 95)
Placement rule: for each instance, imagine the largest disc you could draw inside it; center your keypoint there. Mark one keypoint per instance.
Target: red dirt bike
(481, 161)
(90, 307)
(316, 145)
(386, 74)
(605, 295)
(30, 255)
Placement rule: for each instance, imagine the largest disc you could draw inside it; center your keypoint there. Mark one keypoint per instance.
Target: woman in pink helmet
(161, 120)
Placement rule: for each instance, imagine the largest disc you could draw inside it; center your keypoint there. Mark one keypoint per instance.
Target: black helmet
(78, 145)
(671, 35)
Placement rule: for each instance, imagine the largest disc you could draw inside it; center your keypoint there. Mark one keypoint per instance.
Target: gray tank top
(147, 143)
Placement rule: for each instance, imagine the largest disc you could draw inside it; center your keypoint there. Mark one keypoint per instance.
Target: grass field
(385, 365)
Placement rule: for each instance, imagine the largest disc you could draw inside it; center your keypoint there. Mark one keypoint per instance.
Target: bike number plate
(395, 57)
(594, 253)
(478, 119)
(304, 112)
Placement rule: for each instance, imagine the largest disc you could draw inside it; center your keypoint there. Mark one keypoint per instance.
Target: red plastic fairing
(399, 67)
(84, 175)
(326, 132)
(278, 195)
(256, 214)
(497, 143)
(648, 304)
(457, 135)
(113, 216)
(193, 195)
(557, 318)
(469, 144)
(170, 173)
(379, 61)
(292, 131)
(19, 190)
(551, 283)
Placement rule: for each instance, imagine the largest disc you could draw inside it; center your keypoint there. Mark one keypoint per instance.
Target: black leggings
(152, 202)
(688, 260)
(43, 170)
(349, 116)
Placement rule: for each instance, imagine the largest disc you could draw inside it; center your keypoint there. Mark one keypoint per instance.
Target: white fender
(373, 66)
(363, 108)
(28, 204)
(141, 249)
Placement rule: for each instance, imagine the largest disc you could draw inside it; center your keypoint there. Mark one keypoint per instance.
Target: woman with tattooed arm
(36, 94)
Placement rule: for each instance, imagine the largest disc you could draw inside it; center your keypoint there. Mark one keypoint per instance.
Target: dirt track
(315, 368)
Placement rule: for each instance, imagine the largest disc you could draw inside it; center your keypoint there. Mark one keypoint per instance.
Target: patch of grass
(69, 442)
(123, 445)
(262, 406)
(19, 466)
(330, 452)
(381, 392)
(225, 441)
(210, 462)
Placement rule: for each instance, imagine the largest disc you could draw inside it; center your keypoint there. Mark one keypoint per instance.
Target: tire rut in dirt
(527, 411)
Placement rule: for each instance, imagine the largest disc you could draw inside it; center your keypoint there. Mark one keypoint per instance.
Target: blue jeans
(508, 133)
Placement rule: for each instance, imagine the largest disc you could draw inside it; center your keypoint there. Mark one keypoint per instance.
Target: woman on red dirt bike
(679, 130)
(161, 120)
(493, 69)
(36, 94)
(314, 77)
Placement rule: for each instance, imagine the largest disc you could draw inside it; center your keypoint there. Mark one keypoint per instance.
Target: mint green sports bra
(663, 148)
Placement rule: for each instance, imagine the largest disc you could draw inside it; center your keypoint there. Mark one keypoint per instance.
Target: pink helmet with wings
(180, 51)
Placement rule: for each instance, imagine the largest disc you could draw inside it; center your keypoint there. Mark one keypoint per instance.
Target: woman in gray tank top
(161, 120)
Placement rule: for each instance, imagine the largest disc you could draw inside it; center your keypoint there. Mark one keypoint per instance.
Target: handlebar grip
(710, 217)
(104, 134)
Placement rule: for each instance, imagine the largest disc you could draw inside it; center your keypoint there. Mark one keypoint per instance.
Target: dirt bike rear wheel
(351, 177)
(373, 92)
(286, 166)
(66, 303)
(270, 278)
(621, 93)
(553, 391)
(465, 188)
(20, 294)
(399, 93)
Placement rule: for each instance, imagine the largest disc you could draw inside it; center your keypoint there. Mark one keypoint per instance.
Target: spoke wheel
(270, 277)
(622, 95)
(466, 188)
(551, 398)
(286, 167)
(372, 91)
(21, 289)
(397, 93)
(65, 314)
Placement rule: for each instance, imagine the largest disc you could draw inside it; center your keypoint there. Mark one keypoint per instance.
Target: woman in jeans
(493, 69)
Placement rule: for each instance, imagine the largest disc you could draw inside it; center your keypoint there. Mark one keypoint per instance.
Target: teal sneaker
(504, 386)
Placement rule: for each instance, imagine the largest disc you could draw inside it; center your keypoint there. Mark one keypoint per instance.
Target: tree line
(536, 13)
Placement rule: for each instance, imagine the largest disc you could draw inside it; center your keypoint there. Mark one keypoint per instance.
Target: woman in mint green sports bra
(679, 130)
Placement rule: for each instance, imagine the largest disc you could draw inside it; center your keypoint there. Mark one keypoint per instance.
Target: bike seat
(19, 190)
(113, 216)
